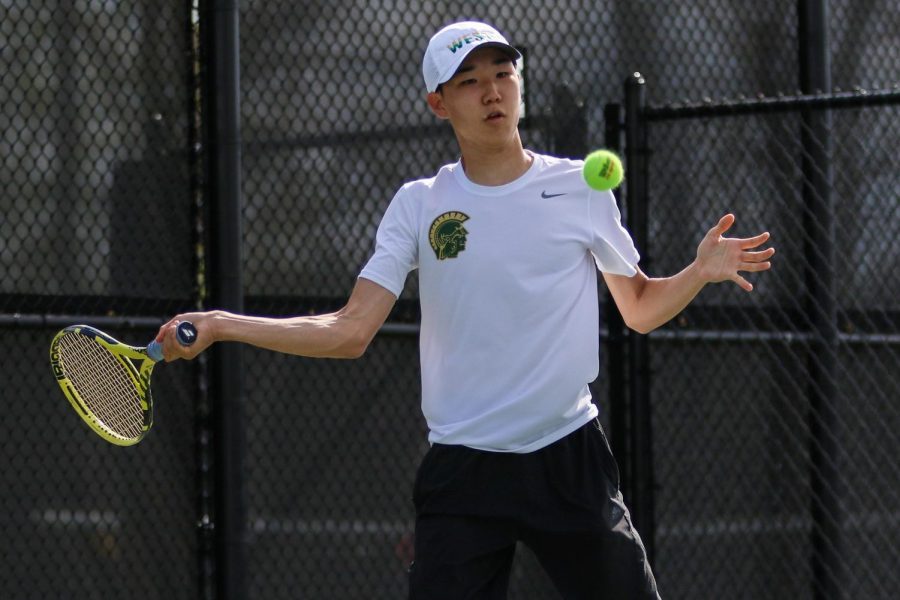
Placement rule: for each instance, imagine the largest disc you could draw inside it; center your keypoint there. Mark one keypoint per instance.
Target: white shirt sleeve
(611, 244)
(396, 246)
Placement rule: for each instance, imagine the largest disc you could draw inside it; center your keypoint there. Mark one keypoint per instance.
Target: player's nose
(492, 92)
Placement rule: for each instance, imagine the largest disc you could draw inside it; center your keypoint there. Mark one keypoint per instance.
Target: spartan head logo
(447, 234)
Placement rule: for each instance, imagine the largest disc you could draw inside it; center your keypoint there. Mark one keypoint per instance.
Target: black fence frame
(630, 378)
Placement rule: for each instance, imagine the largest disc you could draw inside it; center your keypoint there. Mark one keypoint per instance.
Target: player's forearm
(331, 335)
(661, 299)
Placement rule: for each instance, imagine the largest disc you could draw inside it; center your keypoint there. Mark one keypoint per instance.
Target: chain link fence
(100, 126)
(773, 460)
(96, 221)
(321, 165)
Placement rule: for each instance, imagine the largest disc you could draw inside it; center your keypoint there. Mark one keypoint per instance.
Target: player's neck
(489, 164)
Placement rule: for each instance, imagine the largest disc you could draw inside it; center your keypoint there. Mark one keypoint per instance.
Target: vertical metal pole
(642, 480)
(226, 291)
(819, 225)
(616, 364)
(206, 544)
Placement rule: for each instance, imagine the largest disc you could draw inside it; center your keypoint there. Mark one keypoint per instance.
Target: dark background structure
(158, 157)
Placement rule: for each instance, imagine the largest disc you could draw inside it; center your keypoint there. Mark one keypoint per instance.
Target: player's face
(482, 98)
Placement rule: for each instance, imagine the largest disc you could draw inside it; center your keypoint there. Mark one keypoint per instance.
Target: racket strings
(103, 384)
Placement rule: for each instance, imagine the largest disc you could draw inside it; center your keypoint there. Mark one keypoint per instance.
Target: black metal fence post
(822, 305)
(222, 95)
(641, 472)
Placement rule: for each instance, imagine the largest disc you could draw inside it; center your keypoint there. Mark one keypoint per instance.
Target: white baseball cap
(450, 46)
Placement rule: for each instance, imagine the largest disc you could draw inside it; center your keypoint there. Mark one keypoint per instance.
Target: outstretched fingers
(724, 224)
(755, 266)
(753, 262)
(722, 258)
(760, 256)
(743, 283)
(756, 240)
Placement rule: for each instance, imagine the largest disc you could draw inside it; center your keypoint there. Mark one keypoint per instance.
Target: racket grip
(185, 333)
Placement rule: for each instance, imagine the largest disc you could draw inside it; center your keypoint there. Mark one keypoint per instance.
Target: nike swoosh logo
(546, 195)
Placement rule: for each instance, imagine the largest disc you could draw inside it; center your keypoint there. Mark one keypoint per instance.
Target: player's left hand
(720, 258)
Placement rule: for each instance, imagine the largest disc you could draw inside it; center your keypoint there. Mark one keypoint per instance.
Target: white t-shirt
(509, 335)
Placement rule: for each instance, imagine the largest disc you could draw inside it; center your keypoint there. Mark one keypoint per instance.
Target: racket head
(106, 382)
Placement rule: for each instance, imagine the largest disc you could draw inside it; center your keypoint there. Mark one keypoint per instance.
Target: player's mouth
(494, 116)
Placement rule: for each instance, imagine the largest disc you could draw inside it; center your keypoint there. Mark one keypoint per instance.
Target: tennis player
(508, 243)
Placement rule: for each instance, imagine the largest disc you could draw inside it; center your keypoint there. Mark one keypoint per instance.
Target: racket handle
(185, 333)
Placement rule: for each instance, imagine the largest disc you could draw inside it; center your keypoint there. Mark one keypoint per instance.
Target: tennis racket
(108, 382)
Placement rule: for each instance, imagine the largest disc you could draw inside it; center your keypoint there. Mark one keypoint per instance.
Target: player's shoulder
(558, 172)
(558, 164)
(425, 185)
(560, 175)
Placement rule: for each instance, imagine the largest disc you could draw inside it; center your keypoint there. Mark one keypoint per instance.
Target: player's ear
(436, 104)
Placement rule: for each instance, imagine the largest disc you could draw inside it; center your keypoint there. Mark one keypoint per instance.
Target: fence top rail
(41, 321)
(781, 103)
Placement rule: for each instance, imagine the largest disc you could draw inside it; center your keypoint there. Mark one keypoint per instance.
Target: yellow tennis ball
(602, 170)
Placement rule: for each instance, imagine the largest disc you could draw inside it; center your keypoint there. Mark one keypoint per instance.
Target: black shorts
(562, 501)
